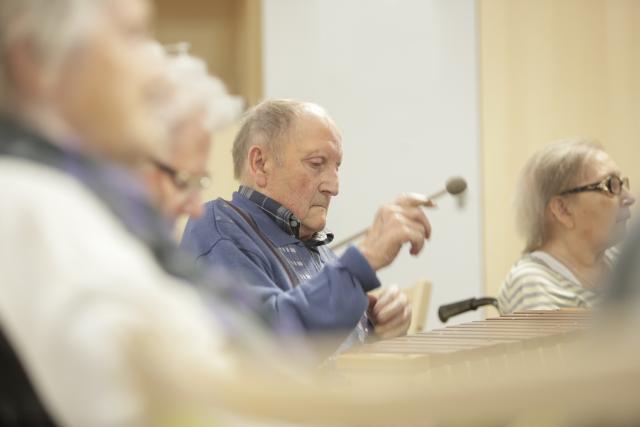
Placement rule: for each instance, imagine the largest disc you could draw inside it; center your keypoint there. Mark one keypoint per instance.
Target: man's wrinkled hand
(395, 224)
(390, 312)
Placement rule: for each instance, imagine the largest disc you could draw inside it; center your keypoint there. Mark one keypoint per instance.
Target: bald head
(271, 124)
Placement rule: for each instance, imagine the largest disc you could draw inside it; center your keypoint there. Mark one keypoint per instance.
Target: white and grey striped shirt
(538, 281)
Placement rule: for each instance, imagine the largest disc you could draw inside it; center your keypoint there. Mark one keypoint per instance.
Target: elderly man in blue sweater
(271, 234)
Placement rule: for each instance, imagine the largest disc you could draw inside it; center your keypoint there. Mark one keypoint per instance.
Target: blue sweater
(331, 294)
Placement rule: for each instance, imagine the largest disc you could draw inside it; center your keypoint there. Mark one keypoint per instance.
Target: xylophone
(496, 344)
(534, 368)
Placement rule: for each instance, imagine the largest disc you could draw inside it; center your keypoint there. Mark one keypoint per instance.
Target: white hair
(550, 171)
(49, 26)
(194, 88)
(269, 124)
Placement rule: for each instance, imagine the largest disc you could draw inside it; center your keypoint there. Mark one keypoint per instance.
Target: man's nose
(332, 184)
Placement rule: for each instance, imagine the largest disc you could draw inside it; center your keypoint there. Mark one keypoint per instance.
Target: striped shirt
(538, 281)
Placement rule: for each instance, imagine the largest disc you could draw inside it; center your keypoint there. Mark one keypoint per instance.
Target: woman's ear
(257, 160)
(561, 211)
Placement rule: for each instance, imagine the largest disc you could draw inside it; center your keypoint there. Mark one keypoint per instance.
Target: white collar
(555, 265)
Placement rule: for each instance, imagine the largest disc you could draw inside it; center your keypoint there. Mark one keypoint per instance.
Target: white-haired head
(195, 89)
(195, 105)
(78, 73)
(49, 28)
(550, 171)
(269, 124)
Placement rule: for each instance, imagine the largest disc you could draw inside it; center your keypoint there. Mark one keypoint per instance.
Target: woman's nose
(627, 198)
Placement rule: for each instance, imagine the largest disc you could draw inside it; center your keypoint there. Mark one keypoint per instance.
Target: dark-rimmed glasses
(184, 181)
(611, 184)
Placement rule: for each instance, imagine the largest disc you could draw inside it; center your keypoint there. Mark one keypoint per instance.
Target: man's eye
(316, 163)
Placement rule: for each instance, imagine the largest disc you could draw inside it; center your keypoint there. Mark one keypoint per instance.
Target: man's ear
(561, 211)
(258, 165)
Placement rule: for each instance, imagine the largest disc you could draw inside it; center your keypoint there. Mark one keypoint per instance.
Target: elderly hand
(390, 312)
(394, 225)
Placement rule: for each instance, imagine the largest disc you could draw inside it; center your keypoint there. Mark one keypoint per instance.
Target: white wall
(400, 78)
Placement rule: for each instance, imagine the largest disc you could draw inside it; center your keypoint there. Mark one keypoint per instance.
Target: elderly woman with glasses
(572, 207)
(196, 105)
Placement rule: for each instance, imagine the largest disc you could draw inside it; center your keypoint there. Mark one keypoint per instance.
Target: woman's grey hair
(552, 170)
(193, 88)
(268, 124)
(50, 27)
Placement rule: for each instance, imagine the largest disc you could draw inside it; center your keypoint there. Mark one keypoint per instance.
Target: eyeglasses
(612, 184)
(184, 181)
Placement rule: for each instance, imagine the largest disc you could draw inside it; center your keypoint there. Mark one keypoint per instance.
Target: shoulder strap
(293, 278)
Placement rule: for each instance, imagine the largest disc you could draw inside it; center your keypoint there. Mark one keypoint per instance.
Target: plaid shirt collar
(284, 218)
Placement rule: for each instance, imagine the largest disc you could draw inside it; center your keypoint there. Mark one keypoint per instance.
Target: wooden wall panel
(552, 69)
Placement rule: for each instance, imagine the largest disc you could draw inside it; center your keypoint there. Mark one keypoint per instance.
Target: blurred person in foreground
(96, 329)
(572, 205)
(287, 156)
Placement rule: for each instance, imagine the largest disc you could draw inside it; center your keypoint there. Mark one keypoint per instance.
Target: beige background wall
(552, 69)
(226, 33)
